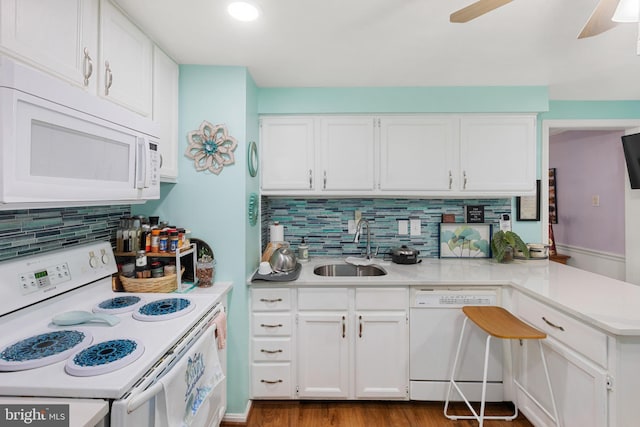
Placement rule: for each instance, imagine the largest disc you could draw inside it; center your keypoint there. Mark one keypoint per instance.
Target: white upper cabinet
(59, 36)
(418, 153)
(497, 154)
(347, 153)
(287, 152)
(165, 112)
(126, 60)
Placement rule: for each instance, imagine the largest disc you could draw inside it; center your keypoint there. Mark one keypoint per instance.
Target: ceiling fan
(599, 22)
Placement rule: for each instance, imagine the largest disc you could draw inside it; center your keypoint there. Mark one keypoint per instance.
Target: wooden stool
(499, 323)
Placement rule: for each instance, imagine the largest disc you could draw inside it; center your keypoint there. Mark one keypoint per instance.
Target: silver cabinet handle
(360, 321)
(310, 180)
(270, 351)
(264, 325)
(464, 184)
(267, 300)
(552, 324)
(450, 179)
(325, 181)
(108, 77)
(344, 327)
(270, 382)
(87, 67)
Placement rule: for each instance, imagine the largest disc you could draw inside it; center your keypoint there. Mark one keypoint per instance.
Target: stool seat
(498, 322)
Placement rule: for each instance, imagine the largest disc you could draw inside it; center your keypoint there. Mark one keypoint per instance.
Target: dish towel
(358, 261)
(188, 398)
(221, 328)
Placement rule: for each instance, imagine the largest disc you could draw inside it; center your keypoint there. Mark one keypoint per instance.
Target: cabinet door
(498, 154)
(52, 34)
(579, 386)
(126, 59)
(347, 153)
(287, 153)
(381, 355)
(323, 369)
(418, 154)
(165, 111)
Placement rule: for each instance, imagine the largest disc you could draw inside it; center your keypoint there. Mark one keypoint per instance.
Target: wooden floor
(365, 414)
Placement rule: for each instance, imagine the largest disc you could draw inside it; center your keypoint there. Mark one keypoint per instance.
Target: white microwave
(62, 146)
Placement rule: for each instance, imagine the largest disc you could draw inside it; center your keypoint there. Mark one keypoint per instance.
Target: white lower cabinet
(352, 343)
(579, 376)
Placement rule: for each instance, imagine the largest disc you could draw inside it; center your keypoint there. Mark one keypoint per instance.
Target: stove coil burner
(104, 357)
(164, 309)
(43, 349)
(118, 305)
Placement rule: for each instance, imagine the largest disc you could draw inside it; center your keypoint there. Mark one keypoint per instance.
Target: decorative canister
(205, 271)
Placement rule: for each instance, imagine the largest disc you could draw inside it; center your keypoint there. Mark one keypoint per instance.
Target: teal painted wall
(214, 206)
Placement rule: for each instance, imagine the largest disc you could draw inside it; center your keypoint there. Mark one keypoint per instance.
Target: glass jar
(205, 271)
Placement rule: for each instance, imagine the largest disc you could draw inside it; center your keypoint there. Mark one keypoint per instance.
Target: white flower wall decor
(211, 147)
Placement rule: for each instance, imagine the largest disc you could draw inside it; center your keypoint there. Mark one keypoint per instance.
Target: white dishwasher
(434, 323)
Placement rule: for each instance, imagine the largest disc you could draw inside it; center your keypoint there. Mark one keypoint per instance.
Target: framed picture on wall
(528, 207)
(553, 202)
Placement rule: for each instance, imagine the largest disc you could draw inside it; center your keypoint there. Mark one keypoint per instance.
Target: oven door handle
(144, 397)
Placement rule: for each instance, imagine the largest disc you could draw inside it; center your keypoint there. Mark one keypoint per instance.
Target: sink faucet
(356, 239)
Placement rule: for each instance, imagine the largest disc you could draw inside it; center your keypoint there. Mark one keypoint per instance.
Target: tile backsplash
(323, 222)
(26, 232)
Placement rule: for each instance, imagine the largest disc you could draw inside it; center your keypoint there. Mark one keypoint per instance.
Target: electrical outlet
(403, 227)
(415, 226)
(351, 226)
(595, 200)
(357, 215)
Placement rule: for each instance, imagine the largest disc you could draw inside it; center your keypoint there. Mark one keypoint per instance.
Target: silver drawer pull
(552, 324)
(264, 325)
(267, 300)
(271, 382)
(271, 351)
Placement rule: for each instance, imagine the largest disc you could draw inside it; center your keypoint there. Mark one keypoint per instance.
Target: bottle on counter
(303, 251)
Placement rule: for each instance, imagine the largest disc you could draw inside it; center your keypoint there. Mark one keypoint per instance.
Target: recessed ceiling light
(243, 11)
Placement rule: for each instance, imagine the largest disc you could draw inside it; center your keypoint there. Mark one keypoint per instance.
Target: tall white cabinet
(165, 112)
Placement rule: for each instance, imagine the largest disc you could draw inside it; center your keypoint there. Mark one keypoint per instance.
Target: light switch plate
(351, 226)
(415, 226)
(403, 227)
(357, 215)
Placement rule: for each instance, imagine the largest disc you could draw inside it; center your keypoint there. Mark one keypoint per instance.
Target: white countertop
(605, 303)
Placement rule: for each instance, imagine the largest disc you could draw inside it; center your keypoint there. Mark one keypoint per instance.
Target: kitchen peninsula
(592, 323)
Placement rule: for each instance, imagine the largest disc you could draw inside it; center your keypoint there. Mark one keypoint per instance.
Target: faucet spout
(357, 236)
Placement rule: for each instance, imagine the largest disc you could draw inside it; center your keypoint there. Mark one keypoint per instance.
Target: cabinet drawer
(271, 324)
(271, 380)
(569, 331)
(382, 299)
(270, 299)
(271, 349)
(323, 299)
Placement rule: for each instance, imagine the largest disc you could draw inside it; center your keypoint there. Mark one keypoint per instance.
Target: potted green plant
(504, 243)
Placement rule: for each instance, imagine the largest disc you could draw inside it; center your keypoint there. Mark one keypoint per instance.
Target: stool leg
(546, 372)
(453, 369)
(484, 380)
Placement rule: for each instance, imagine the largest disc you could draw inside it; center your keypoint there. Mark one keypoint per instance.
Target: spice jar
(155, 240)
(157, 269)
(163, 244)
(173, 242)
(205, 271)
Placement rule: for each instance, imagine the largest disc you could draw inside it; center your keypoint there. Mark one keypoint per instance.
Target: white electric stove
(93, 360)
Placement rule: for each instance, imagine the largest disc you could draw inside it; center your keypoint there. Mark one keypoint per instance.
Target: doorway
(619, 268)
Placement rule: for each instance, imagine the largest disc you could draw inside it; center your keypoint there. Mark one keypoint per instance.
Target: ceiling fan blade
(476, 9)
(600, 20)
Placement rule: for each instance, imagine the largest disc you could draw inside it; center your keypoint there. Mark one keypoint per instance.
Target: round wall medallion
(252, 158)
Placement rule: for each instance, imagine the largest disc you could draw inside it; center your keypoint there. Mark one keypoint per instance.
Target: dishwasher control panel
(453, 298)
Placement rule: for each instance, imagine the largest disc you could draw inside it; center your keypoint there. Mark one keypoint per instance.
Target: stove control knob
(105, 257)
(93, 260)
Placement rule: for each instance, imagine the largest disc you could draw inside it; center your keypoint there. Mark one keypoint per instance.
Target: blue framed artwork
(464, 240)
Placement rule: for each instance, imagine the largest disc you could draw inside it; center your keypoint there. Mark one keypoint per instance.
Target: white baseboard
(233, 417)
(605, 263)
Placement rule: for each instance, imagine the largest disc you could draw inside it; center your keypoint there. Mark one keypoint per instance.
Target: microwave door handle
(142, 159)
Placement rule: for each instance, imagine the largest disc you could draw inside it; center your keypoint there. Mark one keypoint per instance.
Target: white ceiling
(349, 43)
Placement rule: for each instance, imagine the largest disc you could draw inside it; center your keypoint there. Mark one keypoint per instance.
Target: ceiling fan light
(627, 11)
(243, 11)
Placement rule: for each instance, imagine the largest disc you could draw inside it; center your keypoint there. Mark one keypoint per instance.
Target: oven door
(185, 388)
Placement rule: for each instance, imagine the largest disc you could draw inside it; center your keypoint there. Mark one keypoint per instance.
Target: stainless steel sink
(348, 270)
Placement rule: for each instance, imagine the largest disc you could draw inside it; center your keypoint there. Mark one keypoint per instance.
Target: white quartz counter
(607, 304)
